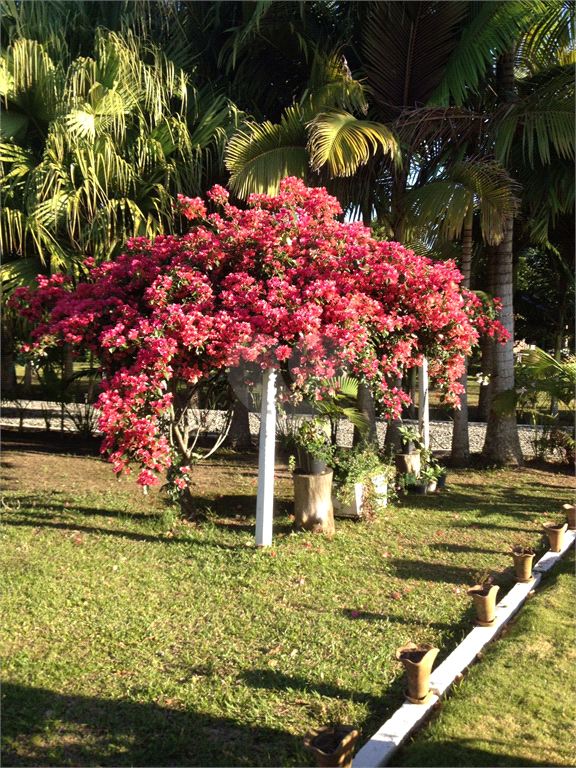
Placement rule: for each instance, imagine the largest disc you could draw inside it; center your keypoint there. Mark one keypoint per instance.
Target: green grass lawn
(515, 708)
(131, 637)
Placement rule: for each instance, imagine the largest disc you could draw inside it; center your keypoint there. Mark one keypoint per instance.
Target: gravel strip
(212, 421)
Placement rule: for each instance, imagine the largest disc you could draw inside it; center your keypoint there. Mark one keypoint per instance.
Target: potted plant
(313, 448)
(418, 661)
(361, 481)
(333, 745)
(441, 483)
(426, 481)
(523, 556)
(429, 476)
(483, 593)
(555, 533)
(408, 462)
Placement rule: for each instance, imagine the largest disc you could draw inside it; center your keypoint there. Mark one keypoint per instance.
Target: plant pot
(442, 480)
(484, 596)
(423, 487)
(523, 564)
(308, 464)
(380, 484)
(418, 661)
(354, 508)
(408, 463)
(570, 510)
(332, 745)
(555, 535)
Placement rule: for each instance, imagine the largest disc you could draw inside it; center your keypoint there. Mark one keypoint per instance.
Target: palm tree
(447, 202)
(322, 137)
(95, 152)
(413, 54)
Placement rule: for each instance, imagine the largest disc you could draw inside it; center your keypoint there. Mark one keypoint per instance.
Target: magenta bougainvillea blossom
(282, 284)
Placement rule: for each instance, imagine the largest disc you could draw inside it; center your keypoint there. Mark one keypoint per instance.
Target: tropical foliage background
(448, 126)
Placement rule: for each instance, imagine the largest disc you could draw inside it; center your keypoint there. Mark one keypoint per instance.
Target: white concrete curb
(378, 750)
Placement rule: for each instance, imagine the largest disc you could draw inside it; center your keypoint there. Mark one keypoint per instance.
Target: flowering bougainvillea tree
(283, 284)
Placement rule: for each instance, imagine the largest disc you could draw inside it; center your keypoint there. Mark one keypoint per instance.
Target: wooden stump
(313, 502)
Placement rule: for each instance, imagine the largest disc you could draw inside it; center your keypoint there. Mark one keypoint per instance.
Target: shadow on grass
(57, 443)
(58, 510)
(277, 681)
(459, 548)
(44, 728)
(160, 539)
(504, 502)
(462, 753)
(417, 570)
(383, 618)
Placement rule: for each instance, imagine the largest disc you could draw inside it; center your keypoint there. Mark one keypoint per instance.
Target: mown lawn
(131, 637)
(533, 724)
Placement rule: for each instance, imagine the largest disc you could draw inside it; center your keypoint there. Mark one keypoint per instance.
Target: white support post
(265, 497)
(423, 403)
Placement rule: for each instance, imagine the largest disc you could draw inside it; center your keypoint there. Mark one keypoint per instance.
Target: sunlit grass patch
(133, 637)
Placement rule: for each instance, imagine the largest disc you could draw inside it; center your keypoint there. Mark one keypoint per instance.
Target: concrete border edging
(378, 749)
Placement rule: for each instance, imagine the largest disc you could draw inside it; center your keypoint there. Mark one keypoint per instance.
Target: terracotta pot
(418, 661)
(408, 463)
(555, 535)
(570, 510)
(332, 745)
(484, 596)
(523, 563)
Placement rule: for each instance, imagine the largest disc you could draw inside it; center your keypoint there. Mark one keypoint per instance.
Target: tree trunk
(313, 509)
(487, 344)
(28, 378)
(68, 363)
(460, 455)
(392, 440)
(365, 404)
(487, 369)
(502, 444)
(239, 435)
(8, 371)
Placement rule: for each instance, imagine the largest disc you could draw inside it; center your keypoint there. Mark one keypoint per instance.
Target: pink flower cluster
(283, 284)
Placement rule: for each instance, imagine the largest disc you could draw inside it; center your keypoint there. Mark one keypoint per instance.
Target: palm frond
(343, 142)
(407, 46)
(19, 272)
(331, 86)
(543, 120)
(495, 28)
(260, 156)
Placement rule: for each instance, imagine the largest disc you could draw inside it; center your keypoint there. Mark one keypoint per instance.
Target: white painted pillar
(265, 498)
(423, 403)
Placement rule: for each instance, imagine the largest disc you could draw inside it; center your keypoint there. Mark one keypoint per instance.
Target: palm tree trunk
(486, 367)
(460, 455)
(487, 345)
(7, 368)
(68, 362)
(239, 435)
(365, 404)
(502, 444)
